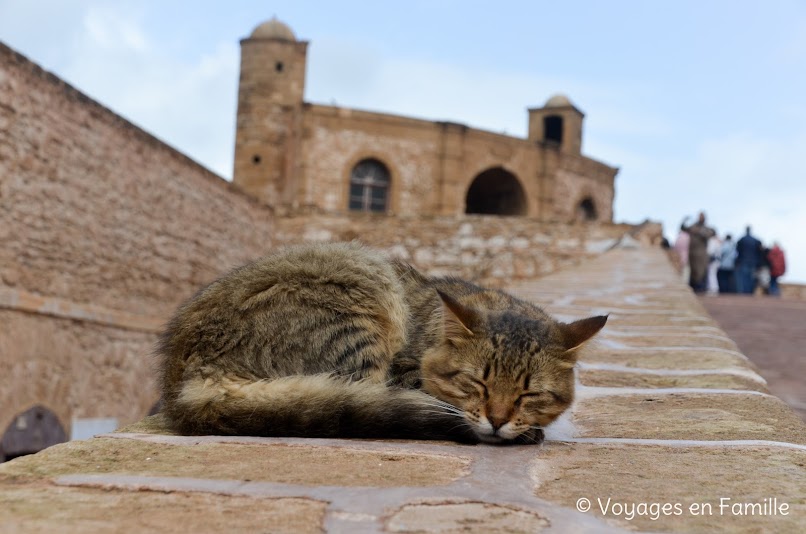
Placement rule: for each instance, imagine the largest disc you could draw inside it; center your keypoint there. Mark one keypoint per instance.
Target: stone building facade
(294, 155)
(104, 229)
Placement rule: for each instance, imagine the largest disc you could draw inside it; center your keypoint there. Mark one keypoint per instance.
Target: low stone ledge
(669, 340)
(687, 415)
(672, 358)
(721, 380)
(268, 462)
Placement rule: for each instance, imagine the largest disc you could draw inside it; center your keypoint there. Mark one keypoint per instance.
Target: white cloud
(189, 104)
(111, 28)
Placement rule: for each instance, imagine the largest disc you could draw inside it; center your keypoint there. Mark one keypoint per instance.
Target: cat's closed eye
(541, 397)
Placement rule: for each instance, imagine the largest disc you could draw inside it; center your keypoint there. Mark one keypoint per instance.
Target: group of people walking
(712, 265)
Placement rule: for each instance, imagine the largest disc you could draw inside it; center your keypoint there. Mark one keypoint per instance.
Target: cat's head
(508, 372)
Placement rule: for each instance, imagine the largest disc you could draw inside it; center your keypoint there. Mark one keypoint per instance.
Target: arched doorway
(496, 191)
(31, 431)
(586, 210)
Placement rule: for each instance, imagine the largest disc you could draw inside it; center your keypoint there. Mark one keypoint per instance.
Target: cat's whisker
(444, 413)
(446, 409)
(448, 412)
(435, 402)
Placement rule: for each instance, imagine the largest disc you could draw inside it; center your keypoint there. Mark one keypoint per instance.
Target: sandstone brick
(42, 509)
(464, 517)
(302, 465)
(720, 380)
(689, 416)
(630, 475)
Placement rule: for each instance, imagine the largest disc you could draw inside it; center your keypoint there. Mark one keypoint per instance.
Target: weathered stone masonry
(103, 229)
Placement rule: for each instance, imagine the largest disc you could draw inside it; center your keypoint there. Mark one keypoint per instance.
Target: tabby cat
(336, 340)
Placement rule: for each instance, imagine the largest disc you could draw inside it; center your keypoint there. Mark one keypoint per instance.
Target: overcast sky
(702, 104)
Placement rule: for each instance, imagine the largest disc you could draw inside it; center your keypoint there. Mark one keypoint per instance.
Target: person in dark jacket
(748, 259)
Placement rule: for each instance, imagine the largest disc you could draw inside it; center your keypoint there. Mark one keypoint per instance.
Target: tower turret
(270, 98)
(558, 123)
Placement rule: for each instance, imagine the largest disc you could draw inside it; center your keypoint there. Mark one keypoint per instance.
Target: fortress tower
(270, 98)
(303, 157)
(558, 123)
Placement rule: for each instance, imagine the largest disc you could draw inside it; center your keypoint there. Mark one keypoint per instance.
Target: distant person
(681, 250)
(713, 248)
(763, 271)
(777, 262)
(727, 265)
(699, 234)
(748, 259)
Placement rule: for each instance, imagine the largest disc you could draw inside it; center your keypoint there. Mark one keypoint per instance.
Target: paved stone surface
(629, 475)
(49, 509)
(670, 421)
(614, 377)
(282, 463)
(772, 333)
(689, 414)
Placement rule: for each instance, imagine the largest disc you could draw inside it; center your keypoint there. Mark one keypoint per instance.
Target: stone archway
(496, 191)
(31, 431)
(586, 210)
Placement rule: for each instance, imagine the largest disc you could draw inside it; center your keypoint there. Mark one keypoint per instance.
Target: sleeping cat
(336, 340)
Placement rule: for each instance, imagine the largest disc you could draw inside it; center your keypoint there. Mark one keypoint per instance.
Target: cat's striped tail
(321, 406)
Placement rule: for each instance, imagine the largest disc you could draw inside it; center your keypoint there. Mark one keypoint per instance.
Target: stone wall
(103, 231)
(578, 179)
(432, 165)
(489, 250)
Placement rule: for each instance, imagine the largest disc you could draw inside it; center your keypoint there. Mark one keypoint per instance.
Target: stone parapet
(489, 250)
(673, 431)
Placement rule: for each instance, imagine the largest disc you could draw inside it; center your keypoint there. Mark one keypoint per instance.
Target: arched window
(553, 129)
(586, 210)
(369, 186)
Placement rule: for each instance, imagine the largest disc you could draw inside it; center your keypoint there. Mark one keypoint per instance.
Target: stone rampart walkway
(673, 430)
(772, 333)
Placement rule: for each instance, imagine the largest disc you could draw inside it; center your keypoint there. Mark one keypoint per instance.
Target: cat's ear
(458, 321)
(576, 333)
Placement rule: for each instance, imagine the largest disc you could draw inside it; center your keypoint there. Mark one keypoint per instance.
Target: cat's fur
(338, 341)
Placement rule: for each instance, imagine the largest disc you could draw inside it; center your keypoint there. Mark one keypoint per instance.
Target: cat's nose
(498, 414)
(497, 421)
